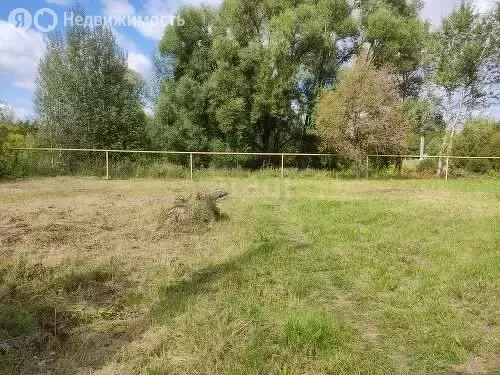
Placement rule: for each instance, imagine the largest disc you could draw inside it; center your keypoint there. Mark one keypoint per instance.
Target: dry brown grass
(75, 227)
(104, 288)
(59, 221)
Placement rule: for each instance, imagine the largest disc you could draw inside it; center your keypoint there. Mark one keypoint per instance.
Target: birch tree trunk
(455, 119)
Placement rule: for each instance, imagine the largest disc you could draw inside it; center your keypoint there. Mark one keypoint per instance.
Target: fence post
(367, 166)
(282, 165)
(447, 166)
(191, 164)
(107, 165)
(422, 147)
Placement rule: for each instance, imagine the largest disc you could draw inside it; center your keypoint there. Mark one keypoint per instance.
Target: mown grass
(316, 276)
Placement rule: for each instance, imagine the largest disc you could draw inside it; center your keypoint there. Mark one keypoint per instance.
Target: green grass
(315, 276)
(32, 164)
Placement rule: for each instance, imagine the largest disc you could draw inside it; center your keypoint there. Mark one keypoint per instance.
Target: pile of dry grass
(192, 211)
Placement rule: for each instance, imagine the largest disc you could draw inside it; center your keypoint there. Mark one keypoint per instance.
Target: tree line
(277, 76)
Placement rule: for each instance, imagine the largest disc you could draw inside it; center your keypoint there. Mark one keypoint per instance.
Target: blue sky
(20, 50)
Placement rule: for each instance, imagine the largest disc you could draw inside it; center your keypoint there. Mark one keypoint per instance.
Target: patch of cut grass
(310, 331)
(316, 276)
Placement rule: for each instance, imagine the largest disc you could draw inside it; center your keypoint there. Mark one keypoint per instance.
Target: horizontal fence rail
(228, 153)
(170, 152)
(242, 153)
(436, 157)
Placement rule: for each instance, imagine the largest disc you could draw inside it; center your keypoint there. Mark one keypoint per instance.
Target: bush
(479, 137)
(427, 165)
(15, 164)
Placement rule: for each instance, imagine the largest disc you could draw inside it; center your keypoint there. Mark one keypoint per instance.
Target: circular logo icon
(48, 17)
(20, 18)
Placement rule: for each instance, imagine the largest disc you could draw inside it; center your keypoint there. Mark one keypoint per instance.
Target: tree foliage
(6, 113)
(14, 133)
(480, 137)
(397, 38)
(266, 76)
(364, 115)
(246, 77)
(465, 48)
(465, 69)
(85, 96)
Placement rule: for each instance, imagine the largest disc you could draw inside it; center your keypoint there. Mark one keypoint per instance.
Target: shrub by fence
(30, 161)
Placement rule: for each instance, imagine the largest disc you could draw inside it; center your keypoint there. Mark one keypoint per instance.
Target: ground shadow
(90, 349)
(176, 297)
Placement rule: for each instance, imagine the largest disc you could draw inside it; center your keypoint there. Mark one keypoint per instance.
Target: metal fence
(282, 156)
(446, 158)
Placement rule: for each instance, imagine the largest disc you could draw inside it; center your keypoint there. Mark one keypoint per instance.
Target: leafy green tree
(85, 96)
(397, 38)
(465, 67)
(364, 115)
(406, 8)
(247, 76)
(399, 42)
(181, 117)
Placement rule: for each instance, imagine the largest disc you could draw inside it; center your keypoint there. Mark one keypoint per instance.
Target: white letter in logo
(68, 19)
(20, 18)
(42, 13)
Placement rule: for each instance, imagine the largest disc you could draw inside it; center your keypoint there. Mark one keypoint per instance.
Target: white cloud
(117, 8)
(151, 30)
(123, 41)
(22, 113)
(161, 8)
(435, 10)
(155, 15)
(484, 6)
(140, 63)
(136, 60)
(20, 52)
(156, 8)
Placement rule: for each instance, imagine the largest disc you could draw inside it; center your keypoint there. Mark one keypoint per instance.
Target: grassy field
(302, 276)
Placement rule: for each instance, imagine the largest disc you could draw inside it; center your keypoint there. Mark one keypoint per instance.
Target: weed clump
(193, 211)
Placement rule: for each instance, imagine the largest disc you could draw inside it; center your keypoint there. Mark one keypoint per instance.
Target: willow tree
(397, 37)
(246, 76)
(364, 115)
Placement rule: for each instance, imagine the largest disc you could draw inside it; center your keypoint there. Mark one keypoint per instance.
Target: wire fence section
(275, 161)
